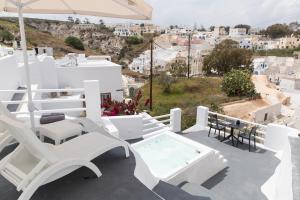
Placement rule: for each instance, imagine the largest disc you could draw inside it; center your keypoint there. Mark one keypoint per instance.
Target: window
(105, 96)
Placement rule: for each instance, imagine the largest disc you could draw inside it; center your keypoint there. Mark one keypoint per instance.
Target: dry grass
(187, 95)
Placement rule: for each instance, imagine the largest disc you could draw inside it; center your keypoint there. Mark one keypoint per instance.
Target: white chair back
(27, 138)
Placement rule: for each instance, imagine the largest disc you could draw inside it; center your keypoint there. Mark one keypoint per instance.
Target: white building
(237, 32)
(265, 44)
(161, 58)
(260, 65)
(246, 43)
(48, 74)
(219, 31)
(124, 31)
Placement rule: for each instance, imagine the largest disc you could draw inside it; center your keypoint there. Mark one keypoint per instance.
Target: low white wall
(9, 76)
(279, 186)
(272, 111)
(130, 127)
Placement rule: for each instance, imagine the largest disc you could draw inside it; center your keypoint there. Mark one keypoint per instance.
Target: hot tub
(174, 158)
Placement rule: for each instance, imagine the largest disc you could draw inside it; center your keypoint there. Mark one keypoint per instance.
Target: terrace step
(198, 190)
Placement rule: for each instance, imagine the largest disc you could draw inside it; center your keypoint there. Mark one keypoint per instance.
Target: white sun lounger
(5, 137)
(33, 163)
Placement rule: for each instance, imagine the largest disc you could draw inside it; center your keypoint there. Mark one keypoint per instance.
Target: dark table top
(232, 124)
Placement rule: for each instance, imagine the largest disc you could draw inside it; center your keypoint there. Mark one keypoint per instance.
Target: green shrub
(166, 81)
(74, 42)
(134, 40)
(6, 36)
(238, 83)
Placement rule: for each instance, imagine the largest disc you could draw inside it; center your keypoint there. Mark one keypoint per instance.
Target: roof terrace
(217, 171)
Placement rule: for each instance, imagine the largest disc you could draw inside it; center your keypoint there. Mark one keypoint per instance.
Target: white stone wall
(9, 76)
(109, 78)
(272, 111)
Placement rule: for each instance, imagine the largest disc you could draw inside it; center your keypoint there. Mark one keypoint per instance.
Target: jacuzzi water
(166, 153)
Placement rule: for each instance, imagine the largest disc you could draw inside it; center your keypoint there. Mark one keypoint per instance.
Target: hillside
(97, 40)
(187, 94)
(40, 38)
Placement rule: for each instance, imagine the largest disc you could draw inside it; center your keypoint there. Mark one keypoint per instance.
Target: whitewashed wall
(272, 111)
(9, 76)
(109, 78)
(279, 186)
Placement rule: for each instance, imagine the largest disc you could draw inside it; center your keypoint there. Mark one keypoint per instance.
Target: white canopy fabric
(128, 9)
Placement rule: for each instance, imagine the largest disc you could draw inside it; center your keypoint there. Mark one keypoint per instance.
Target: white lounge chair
(33, 163)
(5, 137)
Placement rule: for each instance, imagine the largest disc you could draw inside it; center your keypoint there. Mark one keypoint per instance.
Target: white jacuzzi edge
(208, 163)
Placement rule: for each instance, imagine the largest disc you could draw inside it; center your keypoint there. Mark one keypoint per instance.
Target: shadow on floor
(216, 179)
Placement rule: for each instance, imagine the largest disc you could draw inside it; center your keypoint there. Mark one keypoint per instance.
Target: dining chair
(248, 135)
(214, 124)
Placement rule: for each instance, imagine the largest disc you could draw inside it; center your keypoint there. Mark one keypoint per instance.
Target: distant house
(124, 31)
(246, 43)
(85, 26)
(219, 31)
(237, 32)
(289, 42)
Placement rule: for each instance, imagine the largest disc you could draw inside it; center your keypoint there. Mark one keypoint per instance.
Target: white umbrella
(128, 9)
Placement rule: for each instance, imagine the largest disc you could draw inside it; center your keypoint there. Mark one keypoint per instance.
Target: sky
(257, 13)
(225, 12)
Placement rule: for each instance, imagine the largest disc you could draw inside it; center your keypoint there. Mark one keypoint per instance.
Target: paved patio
(242, 179)
(244, 176)
(116, 183)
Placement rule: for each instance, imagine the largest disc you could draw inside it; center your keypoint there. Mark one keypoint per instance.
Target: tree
(77, 21)
(247, 27)
(212, 28)
(6, 36)
(101, 22)
(166, 81)
(227, 56)
(74, 42)
(179, 69)
(278, 30)
(227, 29)
(71, 19)
(86, 21)
(238, 83)
(134, 40)
(202, 28)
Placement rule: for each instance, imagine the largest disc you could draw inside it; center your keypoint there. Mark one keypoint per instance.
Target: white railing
(90, 91)
(171, 121)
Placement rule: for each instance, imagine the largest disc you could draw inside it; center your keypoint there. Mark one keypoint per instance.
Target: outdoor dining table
(232, 125)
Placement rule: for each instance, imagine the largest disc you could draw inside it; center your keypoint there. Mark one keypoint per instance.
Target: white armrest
(110, 127)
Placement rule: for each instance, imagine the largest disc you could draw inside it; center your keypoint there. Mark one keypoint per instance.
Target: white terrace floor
(245, 174)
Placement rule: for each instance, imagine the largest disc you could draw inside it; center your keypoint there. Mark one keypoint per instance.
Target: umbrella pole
(26, 65)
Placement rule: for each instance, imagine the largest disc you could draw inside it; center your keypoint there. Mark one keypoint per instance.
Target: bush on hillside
(134, 40)
(74, 42)
(238, 83)
(166, 81)
(6, 36)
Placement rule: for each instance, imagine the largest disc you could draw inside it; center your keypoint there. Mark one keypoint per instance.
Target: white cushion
(60, 130)
(87, 146)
